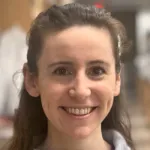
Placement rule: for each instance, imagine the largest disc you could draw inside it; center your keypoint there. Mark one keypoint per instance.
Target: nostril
(82, 93)
(88, 92)
(72, 92)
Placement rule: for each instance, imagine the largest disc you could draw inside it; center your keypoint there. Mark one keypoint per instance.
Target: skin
(79, 58)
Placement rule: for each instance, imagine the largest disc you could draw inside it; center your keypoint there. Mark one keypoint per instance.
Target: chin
(81, 133)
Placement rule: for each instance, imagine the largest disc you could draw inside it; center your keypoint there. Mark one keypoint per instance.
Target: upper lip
(79, 106)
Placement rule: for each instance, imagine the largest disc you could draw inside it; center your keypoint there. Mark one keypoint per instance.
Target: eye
(96, 71)
(62, 71)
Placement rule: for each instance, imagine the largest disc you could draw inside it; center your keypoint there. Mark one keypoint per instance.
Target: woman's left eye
(96, 71)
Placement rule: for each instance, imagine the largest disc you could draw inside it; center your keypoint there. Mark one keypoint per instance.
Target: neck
(56, 140)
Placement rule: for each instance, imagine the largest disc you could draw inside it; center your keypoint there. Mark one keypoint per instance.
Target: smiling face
(77, 80)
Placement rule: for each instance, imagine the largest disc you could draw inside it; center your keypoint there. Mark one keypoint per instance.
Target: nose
(80, 88)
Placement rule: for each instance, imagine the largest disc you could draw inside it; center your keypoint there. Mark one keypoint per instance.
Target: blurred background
(15, 19)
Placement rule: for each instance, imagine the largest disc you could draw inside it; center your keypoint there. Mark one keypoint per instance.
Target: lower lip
(79, 117)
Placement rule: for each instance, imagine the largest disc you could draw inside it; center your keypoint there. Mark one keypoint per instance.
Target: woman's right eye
(62, 71)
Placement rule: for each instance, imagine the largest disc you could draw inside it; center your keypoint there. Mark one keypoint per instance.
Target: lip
(77, 116)
(75, 106)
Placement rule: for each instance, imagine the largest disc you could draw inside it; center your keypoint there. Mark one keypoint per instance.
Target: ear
(117, 84)
(30, 82)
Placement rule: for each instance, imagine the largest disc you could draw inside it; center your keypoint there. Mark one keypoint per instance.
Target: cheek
(105, 94)
(105, 91)
(51, 95)
(49, 100)
(50, 90)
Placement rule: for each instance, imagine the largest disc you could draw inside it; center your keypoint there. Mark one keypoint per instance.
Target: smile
(79, 111)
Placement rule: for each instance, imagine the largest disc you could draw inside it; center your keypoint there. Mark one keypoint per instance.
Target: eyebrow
(71, 63)
(98, 62)
(60, 63)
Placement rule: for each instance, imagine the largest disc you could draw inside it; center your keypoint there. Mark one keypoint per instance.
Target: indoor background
(15, 19)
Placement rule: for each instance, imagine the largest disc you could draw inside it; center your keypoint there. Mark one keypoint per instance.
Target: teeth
(79, 111)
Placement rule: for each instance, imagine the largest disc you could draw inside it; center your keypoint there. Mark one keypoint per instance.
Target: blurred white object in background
(142, 60)
(13, 50)
(142, 63)
(6, 132)
(59, 2)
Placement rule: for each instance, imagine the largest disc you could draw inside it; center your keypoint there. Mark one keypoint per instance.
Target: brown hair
(30, 125)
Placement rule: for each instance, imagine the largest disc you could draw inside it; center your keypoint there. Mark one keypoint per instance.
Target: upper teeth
(79, 111)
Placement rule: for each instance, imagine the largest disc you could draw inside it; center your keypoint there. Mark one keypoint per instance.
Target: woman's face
(77, 80)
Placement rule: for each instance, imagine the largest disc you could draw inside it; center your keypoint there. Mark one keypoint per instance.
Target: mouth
(79, 111)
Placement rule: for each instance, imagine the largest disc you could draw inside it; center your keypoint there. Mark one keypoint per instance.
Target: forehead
(79, 42)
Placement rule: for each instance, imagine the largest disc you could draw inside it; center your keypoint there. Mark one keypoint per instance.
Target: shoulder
(116, 140)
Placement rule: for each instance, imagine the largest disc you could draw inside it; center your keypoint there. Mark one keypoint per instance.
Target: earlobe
(118, 85)
(30, 82)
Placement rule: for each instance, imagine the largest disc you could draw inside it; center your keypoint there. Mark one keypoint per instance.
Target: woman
(70, 96)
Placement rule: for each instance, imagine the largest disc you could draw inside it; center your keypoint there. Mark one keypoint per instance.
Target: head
(71, 47)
